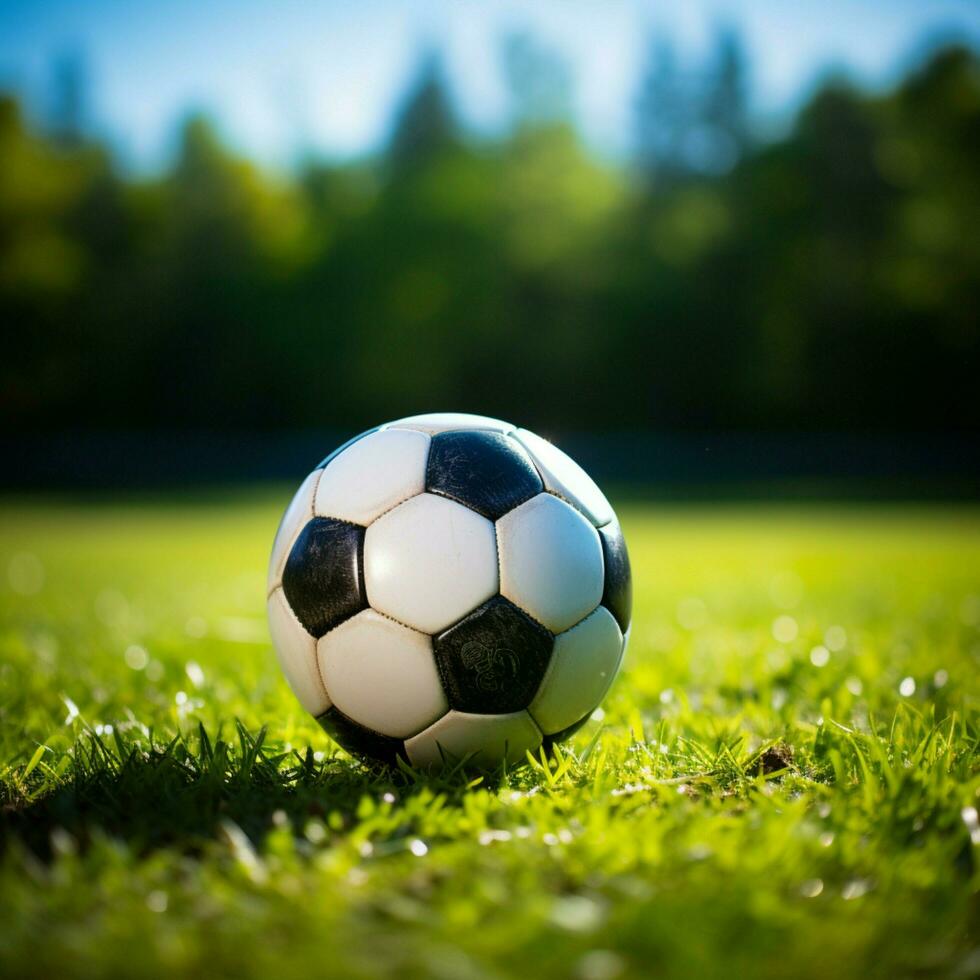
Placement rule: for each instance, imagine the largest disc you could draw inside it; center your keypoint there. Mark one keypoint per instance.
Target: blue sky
(286, 77)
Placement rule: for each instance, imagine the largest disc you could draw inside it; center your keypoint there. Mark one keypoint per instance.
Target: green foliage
(826, 279)
(784, 780)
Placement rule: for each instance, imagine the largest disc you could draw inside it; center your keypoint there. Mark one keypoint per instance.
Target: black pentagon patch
(365, 743)
(323, 576)
(550, 741)
(617, 594)
(493, 661)
(487, 471)
(341, 448)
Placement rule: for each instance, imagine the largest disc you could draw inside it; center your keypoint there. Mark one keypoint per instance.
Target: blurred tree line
(828, 279)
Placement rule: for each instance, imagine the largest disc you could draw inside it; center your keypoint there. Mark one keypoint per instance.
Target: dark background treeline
(824, 280)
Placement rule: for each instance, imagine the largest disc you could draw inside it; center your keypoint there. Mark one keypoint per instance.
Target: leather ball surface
(449, 588)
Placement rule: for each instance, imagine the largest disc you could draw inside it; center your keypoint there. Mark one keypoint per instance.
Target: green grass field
(784, 781)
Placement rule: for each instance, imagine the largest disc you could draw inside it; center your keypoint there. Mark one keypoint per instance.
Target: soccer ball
(449, 588)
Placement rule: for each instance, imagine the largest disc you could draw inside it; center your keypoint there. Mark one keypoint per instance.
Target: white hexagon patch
(373, 475)
(550, 561)
(429, 562)
(382, 675)
(583, 665)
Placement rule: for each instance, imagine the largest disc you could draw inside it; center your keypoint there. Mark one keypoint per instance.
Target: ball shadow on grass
(184, 793)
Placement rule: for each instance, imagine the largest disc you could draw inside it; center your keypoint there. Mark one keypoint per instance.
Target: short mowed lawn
(783, 781)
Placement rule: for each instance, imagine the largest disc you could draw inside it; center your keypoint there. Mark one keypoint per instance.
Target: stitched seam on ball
(575, 506)
(399, 746)
(310, 516)
(319, 672)
(446, 680)
(387, 510)
(456, 499)
(500, 566)
(588, 615)
(552, 663)
(549, 670)
(536, 622)
(534, 466)
(404, 500)
(416, 493)
(425, 728)
(398, 622)
(552, 667)
(537, 727)
(316, 644)
(316, 490)
(539, 466)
